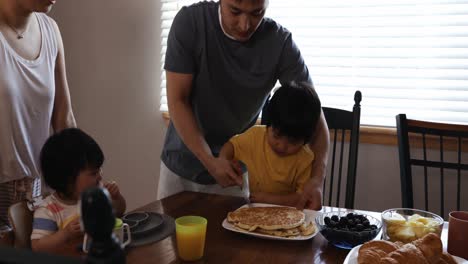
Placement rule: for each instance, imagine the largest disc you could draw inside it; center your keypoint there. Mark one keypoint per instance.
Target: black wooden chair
(414, 135)
(343, 126)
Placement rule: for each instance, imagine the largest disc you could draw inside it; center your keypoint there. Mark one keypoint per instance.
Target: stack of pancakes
(274, 221)
(426, 250)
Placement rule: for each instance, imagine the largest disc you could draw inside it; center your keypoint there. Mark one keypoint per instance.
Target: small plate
(135, 219)
(309, 217)
(154, 221)
(352, 257)
(136, 216)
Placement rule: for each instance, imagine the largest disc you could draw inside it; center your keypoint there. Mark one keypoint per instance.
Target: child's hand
(257, 197)
(113, 189)
(73, 229)
(118, 201)
(236, 166)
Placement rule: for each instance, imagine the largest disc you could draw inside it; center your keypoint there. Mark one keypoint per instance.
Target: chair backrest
(343, 126)
(443, 133)
(21, 218)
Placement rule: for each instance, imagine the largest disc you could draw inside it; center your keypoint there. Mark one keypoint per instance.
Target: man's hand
(225, 172)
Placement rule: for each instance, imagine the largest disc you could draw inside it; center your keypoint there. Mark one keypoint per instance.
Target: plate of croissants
(427, 249)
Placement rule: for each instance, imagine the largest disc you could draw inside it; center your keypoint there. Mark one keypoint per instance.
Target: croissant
(407, 254)
(371, 253)
(426, 250)
(431, 247)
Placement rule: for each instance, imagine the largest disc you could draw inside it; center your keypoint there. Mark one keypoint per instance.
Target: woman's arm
(62, 115)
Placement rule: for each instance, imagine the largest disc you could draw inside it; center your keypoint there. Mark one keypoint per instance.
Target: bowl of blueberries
(347, 229)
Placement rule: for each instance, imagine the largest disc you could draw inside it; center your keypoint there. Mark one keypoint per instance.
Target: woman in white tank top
(34, 95)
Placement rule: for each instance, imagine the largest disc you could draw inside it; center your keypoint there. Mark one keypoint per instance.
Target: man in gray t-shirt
(222, 60)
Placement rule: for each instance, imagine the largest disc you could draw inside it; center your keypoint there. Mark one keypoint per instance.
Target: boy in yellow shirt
(277, 155)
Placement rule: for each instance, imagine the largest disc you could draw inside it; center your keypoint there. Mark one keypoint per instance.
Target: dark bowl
(347, 234)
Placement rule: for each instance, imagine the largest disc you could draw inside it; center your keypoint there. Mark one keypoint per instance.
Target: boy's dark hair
(294, 110)
(65, 154)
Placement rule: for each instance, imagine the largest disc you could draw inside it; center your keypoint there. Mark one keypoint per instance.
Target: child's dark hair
(294, 110)
(65, 154)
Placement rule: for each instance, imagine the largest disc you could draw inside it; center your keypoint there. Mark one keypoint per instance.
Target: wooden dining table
(224, 246)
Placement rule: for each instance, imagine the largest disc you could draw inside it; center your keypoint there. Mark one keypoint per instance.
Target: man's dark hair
(65, 154)
(294, 110)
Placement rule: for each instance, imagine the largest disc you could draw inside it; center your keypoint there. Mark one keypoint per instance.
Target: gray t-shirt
(231, 79)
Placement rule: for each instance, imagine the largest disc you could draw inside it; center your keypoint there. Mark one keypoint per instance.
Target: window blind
(405, 56)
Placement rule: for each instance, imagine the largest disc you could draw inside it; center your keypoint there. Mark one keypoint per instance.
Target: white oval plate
(309, 217)
(352, 257)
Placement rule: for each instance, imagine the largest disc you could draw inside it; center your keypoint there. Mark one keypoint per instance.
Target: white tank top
(27, 92)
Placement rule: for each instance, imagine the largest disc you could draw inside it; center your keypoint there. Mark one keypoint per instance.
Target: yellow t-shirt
(269, 172)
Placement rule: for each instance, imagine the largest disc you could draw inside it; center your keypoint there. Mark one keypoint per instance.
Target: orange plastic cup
(190, 236)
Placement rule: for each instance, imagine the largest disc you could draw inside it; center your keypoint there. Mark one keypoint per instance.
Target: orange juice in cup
(190, 235)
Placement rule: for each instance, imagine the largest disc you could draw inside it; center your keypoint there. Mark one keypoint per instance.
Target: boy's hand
(257, 197)
(236, 166)
(113, 189)
(311, 196)
(73, 229)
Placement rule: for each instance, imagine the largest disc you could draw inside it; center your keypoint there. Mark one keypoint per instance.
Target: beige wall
(113, 58)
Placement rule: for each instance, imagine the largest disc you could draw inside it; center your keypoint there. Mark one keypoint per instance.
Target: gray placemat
(165, 230)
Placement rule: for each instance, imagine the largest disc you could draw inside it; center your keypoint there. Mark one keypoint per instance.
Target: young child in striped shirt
(70, 162)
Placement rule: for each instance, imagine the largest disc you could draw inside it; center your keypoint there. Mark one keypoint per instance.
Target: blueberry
(359, 227)
(357, 221)
(351, 223)
(366, 223)
(373, 227)
(350, 216)
(327, 221)
(343, 221)
(335, 218)
(361, 217)
(333, 223)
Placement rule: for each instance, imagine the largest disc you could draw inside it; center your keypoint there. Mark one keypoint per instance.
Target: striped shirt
(51, 216)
